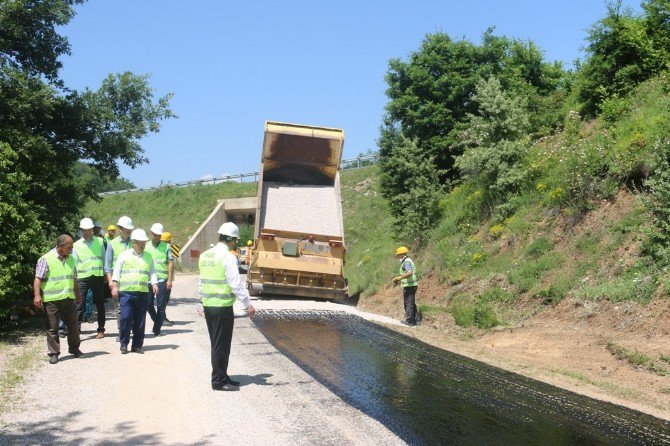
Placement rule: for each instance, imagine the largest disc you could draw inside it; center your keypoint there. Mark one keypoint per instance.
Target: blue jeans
(157, 313)
(133, 316)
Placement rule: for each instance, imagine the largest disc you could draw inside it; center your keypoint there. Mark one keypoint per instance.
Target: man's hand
(79, 298)
(37, 301)
(115, 291)
(251, 311)
(168, 284)
(396, 280)
(154, 289)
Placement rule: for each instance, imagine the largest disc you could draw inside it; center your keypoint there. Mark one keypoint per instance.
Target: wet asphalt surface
(429, 396)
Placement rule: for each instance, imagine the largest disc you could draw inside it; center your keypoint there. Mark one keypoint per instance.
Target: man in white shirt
(220, 284)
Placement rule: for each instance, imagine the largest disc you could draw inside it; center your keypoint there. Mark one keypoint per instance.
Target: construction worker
(167, 238)
(89, 254)
(117, 245)
(110, 234)
(55, 289)
(249, 247)
(97, 228)
(162, 255)
(407, 279)
(219, 285)
(134, 277)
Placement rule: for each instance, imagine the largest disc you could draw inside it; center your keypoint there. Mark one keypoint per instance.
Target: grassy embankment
(181, 210)
(487, 273)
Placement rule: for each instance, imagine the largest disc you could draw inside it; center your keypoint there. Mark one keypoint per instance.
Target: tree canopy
(48, 131)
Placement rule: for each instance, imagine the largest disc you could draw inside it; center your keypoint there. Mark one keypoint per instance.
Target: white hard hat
(230, 229)
(157, 228)
(86, 223)
(139, 235)
(126, 222)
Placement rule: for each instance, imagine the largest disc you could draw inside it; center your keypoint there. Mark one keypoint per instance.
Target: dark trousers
(409, 296)
(54, 311)
(157, 312)
(167, 300)
(220, 321)
(133, 316)
(95, 284)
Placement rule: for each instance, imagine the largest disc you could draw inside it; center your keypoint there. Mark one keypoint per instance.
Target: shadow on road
(160, 347)
(53, 431)
(86, 356)
(261, 379)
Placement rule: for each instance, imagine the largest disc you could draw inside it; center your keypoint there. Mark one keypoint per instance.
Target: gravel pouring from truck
(299, 235)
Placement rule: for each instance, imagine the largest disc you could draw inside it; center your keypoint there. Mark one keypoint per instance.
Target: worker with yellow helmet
(167, 238)
(407, 279)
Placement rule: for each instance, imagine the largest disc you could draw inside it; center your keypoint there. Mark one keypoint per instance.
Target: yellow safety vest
(214, 288)
(409, 281)
(91, 257)
(118, 246)
(159, 253)
(59, 284)
(136, 273)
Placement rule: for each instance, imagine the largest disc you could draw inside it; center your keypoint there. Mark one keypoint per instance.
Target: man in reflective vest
(407, 279)
(115, 247)
(219, 285)
(167, 238)
(89, 254)
(162, 255)
(134, 274)
(55, 289)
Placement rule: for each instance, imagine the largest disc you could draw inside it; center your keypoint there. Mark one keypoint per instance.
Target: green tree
(623, 50)
(495, 145)
(51, 129)
(416, 209)
(431, 94)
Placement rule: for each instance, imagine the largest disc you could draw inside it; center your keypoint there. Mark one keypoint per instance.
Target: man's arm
(235, 282)
(109, 259)
(37, 292)
(170, 266)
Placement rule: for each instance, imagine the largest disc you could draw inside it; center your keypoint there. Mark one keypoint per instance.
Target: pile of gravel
(302, 208)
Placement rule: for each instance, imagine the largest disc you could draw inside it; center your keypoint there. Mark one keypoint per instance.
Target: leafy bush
(538, 247)
(495, 147)
(21, 240)
(480, 313)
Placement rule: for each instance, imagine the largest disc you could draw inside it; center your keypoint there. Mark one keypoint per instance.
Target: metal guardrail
(354, 163)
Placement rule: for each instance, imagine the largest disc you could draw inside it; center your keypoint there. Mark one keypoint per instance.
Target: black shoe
(232, 382)
(225, 387)
(53, 359)
(62, 334)
(167, 322)
(124, 349)
(77, 353)
(137, 350)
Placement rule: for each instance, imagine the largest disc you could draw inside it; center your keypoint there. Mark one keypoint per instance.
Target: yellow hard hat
(401, 250)
(249, 243)
(111, 228)
(166, 237)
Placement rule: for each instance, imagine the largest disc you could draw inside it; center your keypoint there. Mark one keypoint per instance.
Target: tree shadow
(180, 323)
(176, 301)
(55, 432)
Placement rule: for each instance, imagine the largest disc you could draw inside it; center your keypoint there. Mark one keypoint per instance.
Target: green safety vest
(91, 257)
(159, 254)
(59, 284)
(118, 246)
(408, 281)
(136, 273)
(214, 288)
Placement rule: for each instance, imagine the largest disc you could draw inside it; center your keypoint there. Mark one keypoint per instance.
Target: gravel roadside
(164, 396)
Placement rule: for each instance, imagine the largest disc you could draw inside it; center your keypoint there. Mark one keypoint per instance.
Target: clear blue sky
(234, 65)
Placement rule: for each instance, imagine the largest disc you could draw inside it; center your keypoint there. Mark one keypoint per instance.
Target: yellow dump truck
(299, 234)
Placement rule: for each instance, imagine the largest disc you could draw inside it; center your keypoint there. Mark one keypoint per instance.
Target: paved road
(164, 396)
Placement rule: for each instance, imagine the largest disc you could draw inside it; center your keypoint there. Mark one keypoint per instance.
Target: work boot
(124, 349)
(53, 359)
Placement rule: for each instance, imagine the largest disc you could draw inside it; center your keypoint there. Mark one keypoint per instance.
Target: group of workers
(138, 271)
(137, 276)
